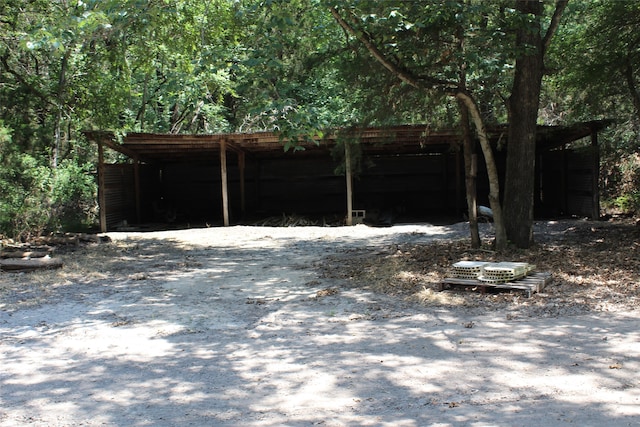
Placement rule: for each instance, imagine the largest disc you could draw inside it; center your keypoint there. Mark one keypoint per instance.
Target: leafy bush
(628, 203)
(34, 198)
(623, 179)
(73, 197)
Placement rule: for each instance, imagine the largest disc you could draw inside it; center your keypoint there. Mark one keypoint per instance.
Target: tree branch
(553, 26)
(375, 52)
(404, 75)
(635, 95)
(24, 82)
(452, 89)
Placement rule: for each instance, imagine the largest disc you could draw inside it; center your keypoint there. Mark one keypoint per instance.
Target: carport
(412, 168)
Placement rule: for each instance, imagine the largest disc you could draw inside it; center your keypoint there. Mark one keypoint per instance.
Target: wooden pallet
(530, 284)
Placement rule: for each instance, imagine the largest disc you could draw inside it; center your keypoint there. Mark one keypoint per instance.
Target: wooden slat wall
(301, 186)
(417, 186)
(412, 185)
(580, 182)
(119, 194)
(567, 178)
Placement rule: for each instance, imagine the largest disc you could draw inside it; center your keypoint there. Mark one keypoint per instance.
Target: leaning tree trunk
(469, 153)
(492, 170)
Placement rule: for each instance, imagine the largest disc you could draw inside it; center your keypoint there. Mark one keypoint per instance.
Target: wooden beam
(225, 186)
(347, 168)
(21, 265)
(117, 147)
(102, 201)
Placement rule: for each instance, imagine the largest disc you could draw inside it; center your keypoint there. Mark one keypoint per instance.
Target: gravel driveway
(235, 327)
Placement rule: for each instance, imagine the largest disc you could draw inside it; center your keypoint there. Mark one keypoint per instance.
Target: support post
(225, 188)
(595, 209)
(102, 204)
(564, 181)
(347, 168)
(136, 180)
(458, 160)
(241, 167)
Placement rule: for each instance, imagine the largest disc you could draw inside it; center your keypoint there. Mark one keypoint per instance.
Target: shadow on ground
(167, 332)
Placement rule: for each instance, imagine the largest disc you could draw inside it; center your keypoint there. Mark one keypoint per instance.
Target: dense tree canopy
(193, 66)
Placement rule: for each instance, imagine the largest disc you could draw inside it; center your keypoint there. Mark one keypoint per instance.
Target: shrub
(34, 198)
(623, 192)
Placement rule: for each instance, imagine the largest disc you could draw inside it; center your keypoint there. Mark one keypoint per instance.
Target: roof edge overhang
(395, 140)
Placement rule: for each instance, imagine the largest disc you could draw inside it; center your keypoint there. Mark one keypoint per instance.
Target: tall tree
(531, 46)
(420, 46)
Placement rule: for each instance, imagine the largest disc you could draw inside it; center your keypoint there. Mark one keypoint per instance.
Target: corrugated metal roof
(406, 139)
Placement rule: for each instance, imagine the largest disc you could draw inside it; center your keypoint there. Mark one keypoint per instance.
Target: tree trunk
(452, 89)
(523, 109)
(492, 170)
(470, 173)
(631, 84)
(523, 115)
(62, 82)
(469, 152)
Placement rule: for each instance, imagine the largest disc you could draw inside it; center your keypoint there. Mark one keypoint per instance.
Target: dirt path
(237, 327)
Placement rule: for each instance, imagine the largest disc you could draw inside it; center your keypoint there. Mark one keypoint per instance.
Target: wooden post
(459, 160)
(564, 181)
(136, 180)
(225, 189)
(347, 168)
(241, 166)
(102, 204)
(595, 209)
(444, 191)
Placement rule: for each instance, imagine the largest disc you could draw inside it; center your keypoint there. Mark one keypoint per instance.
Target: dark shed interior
(413, 171)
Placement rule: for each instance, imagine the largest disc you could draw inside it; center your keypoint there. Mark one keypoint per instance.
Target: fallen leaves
(595, 267)
(326, 292)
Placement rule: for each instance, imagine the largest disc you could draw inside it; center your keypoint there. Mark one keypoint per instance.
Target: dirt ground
(331, 326)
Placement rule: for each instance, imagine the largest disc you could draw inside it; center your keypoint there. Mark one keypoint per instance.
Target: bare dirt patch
(263, 326)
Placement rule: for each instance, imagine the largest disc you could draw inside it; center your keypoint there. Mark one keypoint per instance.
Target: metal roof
(406, 139)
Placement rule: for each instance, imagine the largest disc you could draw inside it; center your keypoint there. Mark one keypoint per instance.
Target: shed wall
(416, 187)
(119, 194)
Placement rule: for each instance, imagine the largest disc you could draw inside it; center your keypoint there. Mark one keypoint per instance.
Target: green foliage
(193, 66)
(287, 74)
(595, 64)
(36, 198)
(622, 184)
(628, 203)
(73, 197)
